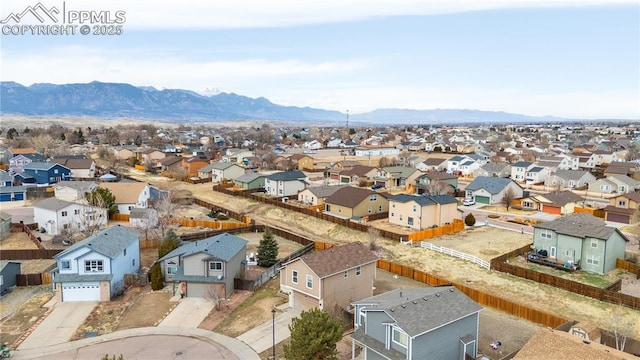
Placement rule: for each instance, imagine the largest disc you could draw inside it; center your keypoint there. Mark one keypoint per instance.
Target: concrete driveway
(59, 325)
(189, 313)
(260, 338)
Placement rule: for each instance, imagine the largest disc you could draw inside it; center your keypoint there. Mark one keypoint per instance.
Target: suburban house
(586, 160)
(417, 323)
(8, 271)
(536, 175)
(353, 202)
(316, 195)
(170, 163)
(73, 190)
(18, 162)
(80, 166)
(436, 183)
(55, 216)
(558, 203)
(237, 156)
(149, 155)
(124, 152)
(142, 218)
(330, 279)
(356, 173)
(623, 168)
(581, 238)
(5, 224)
(219, 171)
(397, 176)
(206, 268)
(491, 190)
(13, 194)
(13, 152)
(569, 179)
(94, 268)
(302, 161)
(5, 178)
(432, 164)
(128, 195)
(422, 212)
(44, 173)
(622, 208)
(250, 181)
(192, 164)
(624, 183)
(285, 183)
(519, 170)
(493, 170)
(376, 150)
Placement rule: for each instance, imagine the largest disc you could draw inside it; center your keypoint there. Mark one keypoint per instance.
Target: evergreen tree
(267, 249)
(170, 242)
(470, 220)
(314, 336)
(102, 198)
(157, 280)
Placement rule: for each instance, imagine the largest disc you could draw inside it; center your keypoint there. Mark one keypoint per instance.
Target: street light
(273, 323)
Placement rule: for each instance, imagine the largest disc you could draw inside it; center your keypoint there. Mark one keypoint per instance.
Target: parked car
(468, 202)
(376, 186)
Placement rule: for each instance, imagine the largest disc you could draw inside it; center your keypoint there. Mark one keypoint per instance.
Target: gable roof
(222, 247)
(5, 176)
(52, 204)
(73, 163)
(493, 185)
(27, 150)
(494, 167)
(358, 170)
(434, 161)
(635, 196)
(337, 259)
(524, 164)
(580, 225)
(125, 192)
(287, 176)
(349, 196)
(324, 191)
(109, 242)
(438, 175)
(77, 185)
(42, 166)
(424, 200)
(170, 160)
(570, 174)
(402, 171)
(217, 165)
(248, 177)
(419, 310)
(140, 213)
(563, 197)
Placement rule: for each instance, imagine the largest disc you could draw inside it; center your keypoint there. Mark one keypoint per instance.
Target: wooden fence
(456, 226)
(628, 266)
(28, 230)
(28, 254)
(33, 279)
(482, 298)
(119, 217)
(595, 212)
(149, 243)
(464, 256)
(211, 224)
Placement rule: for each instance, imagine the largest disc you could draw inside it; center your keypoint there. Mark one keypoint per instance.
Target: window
(369, 210)
(373, 198)
(65, 226)
(93, 266)
(545, 234)
(55, 171)
(76, 211)
(133, 262)
(379, 208)
(339, 209)
(410, 221)
(64, 213)
(294, 277)
(310, 281)
(622, 203)
(594, 243)
(215, 265)
(414, 208)
(358, 271)
(527, 204)
(125, 252)
(400, 338)
(172, 269)
(346, 274)
(65, 264)
(593, 260)
(604, 187)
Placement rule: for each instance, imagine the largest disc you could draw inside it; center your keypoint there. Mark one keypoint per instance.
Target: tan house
(316, 195)
(302, 161)
(422, 212)
(356, 173)
(622, 207)
(352, 202)
(149, 155)
(123, 153)
(330, 279)
(192, 164)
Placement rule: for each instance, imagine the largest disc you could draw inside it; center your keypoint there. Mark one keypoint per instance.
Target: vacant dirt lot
(17, 240)
(21, 309)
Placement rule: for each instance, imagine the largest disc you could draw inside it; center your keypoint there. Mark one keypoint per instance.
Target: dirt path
(546, 298)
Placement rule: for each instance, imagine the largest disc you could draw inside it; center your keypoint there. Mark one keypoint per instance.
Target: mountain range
(117, 100)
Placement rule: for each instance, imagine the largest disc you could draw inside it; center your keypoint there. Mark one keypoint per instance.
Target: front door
(552, 252)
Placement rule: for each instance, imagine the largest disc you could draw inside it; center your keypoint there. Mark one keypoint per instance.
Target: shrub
(157, 280)
(470, 220)
(222, 217)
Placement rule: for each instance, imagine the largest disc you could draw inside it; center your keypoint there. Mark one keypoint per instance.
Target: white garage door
(89, 291)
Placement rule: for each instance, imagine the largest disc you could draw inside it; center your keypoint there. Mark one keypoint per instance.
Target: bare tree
(44, 143)
(215, 294)
(374, 235)
(168, 203)
(635, 219)
(622, 326)
(92, 218)
(436, 187)
(508, 197)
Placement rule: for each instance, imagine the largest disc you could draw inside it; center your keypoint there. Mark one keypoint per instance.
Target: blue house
(8, 272)
(44, 173)
(5, 178)
(13, 193)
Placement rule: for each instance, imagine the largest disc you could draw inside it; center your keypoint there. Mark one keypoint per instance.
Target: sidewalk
(260, 338)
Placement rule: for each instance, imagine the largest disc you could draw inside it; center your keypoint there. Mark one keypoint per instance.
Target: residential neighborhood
(353, 223)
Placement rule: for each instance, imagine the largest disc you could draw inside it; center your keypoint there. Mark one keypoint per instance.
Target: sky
(575, 59)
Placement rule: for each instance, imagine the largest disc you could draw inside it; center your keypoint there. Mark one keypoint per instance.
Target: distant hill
(114, 100)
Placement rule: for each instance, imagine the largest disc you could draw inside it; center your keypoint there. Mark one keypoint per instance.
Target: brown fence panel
(28, 279)
(46, 278)
(149, 243)
(28, 254)
(119, 217)
(628, 266)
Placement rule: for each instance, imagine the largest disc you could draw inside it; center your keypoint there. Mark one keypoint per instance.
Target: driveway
(189, 313)
(59, 325)
(260, 338)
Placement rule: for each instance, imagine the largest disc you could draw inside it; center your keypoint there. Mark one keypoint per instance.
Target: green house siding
(569, 248)
(544, 243)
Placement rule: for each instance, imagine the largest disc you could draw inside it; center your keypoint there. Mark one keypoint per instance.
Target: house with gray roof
(13, 193)
(581, 239)
(396, 176)
(8, 271)
(491, 190)
(285, 183)
(316, 195)
(5, 178)
(219, 171)
(5, 224)
(73, 190)
(432, 164)
(536, 175)
(250, 181)
(557, 202)
(206, 268)
(422, 212)
(436, 183)
(417, 323)
(493, 170)
(569, 179)
(56, 216)
(94, 268)
(519, 170)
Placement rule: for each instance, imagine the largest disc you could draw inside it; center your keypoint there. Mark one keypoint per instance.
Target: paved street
(60, 325)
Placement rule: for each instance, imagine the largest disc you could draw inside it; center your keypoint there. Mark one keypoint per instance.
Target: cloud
(197, 14)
